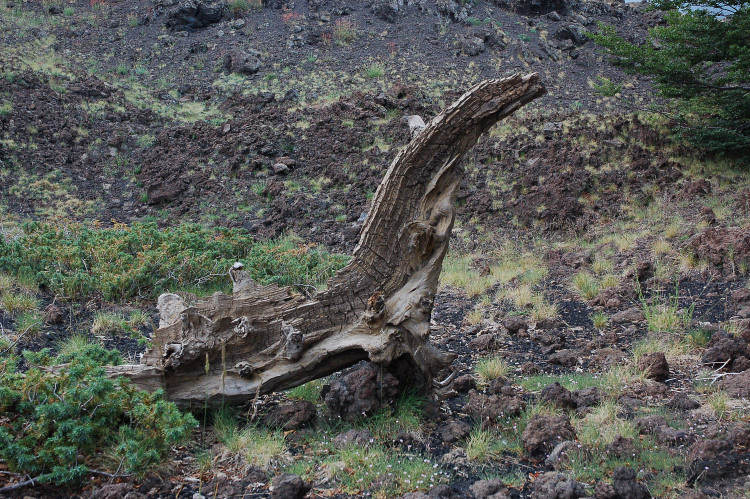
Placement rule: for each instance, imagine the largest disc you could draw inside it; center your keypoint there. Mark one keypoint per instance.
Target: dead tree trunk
(264, 338)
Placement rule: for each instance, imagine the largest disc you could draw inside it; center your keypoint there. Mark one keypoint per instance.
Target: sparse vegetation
(491, 368)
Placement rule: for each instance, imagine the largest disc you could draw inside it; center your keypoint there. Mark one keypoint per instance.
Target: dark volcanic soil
(283, 117)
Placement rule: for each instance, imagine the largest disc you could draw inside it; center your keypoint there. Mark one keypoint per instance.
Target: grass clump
(18, 303)
(601, 426)
(542, 309)
(406, 415)
(29, 323)
(344, 31)
(664, 314)
(586, 285)
(258, 446)
(77, 260)
(375, 70)
(52, 419)
(381, 472)
(606, 87)
(491, 368)
(458, 272)
(109, 323)
(479, 445)
(599, 319)
(310, 391)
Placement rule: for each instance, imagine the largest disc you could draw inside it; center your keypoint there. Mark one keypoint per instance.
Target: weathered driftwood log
(264, 338)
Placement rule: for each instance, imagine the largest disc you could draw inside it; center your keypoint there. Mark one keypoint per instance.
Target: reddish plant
(289, 17)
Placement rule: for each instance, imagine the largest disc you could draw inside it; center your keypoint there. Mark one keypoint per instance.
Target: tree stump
(260, 339)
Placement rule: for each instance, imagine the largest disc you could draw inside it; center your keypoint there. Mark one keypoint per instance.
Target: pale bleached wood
(264, 338)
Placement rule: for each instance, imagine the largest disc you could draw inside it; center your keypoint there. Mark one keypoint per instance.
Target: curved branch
(264, 338)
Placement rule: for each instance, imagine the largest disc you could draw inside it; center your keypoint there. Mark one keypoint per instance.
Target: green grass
(491, 368)
(17, 303)
(381, 471)
(77, 260)
(407, 415)
(29, 322)
(258, 446)
(6, 108)
(586, 285)
(479, 445)
(109, 323)
(599, 319)
(310, 391)
(375, 70)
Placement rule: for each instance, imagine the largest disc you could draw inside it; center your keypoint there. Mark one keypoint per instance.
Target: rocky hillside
(596, 293)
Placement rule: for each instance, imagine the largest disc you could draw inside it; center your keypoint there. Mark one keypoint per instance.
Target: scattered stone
(657, 426)
(515, 324)
(243, 62)
(191, 15)
(292, 416)
(737, 386)
(483, 342)
(454, 431)
(555, 485)
(626, 486)
(629, 315)
(709, 449)
(549, 323)
(361, 391)
(741, 296)
(529, 369)
(722, 246)
(471, 45)
(587, 397)
(53, 314)
(714, 459)
(654, 366)
(442, 491)
(288, 486)
(490, 408)
(649, 424)
(543, 433)
(360, 438)
(573, 32)
(463, 384)
(724, 350)
(386, 10)
(280, 169)
(621, 447)
(682, 402)
(116, 491)
(454, 457)
(565, 358)
(644, 270)
(558, 395)
(490, 489)
(404, 439)
(255, 475)
(549, 130)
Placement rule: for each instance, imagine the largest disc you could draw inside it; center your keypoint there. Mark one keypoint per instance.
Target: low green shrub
(58, 427)
(78, 260)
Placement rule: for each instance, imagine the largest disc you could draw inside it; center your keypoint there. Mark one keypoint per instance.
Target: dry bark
(265, 338)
